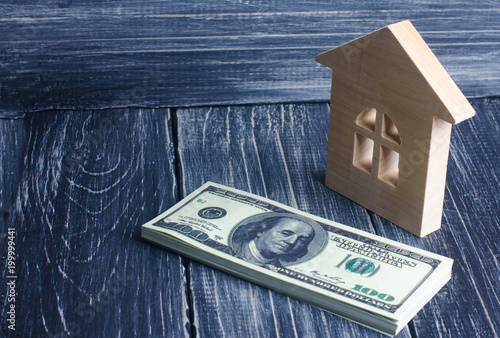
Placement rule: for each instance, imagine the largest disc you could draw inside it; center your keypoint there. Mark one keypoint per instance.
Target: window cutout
(389, 130)
(366, 119)
(388, 170)
(363, 152)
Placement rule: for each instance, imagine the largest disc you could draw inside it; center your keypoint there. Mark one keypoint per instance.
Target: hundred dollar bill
(368, 279)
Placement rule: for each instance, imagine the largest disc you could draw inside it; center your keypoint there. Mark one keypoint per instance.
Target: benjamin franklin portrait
(277, 239)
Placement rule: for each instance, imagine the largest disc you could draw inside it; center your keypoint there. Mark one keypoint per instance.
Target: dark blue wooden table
(111, 112)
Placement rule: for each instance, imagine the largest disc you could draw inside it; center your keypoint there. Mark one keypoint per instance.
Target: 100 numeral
(371, 292)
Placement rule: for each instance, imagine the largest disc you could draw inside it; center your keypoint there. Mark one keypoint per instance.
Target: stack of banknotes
(365, 278)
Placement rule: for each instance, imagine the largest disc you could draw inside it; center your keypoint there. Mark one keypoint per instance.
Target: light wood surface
(392, 106)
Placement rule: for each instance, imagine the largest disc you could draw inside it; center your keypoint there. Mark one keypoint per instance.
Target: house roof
(402, 41)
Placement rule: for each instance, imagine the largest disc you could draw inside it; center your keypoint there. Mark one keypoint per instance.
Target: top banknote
(328, 264)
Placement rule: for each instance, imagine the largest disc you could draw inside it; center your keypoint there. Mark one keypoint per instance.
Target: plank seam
(7, 114)
(185, 261)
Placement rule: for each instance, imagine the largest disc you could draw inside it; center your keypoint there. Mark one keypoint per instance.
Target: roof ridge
(456, 108)
(433, 72)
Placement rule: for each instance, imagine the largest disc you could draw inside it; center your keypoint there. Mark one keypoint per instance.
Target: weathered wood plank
(83, 54)
(90, 180)
(276, 151)
(11, 156)
(470, 232)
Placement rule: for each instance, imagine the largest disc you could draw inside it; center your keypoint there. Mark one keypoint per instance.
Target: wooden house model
(392, 108)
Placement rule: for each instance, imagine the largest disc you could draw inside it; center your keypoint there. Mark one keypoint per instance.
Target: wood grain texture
(11, 155)
(470, 233)
(395, 77)
(87, 54)
(279, 152)
(90, 179)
